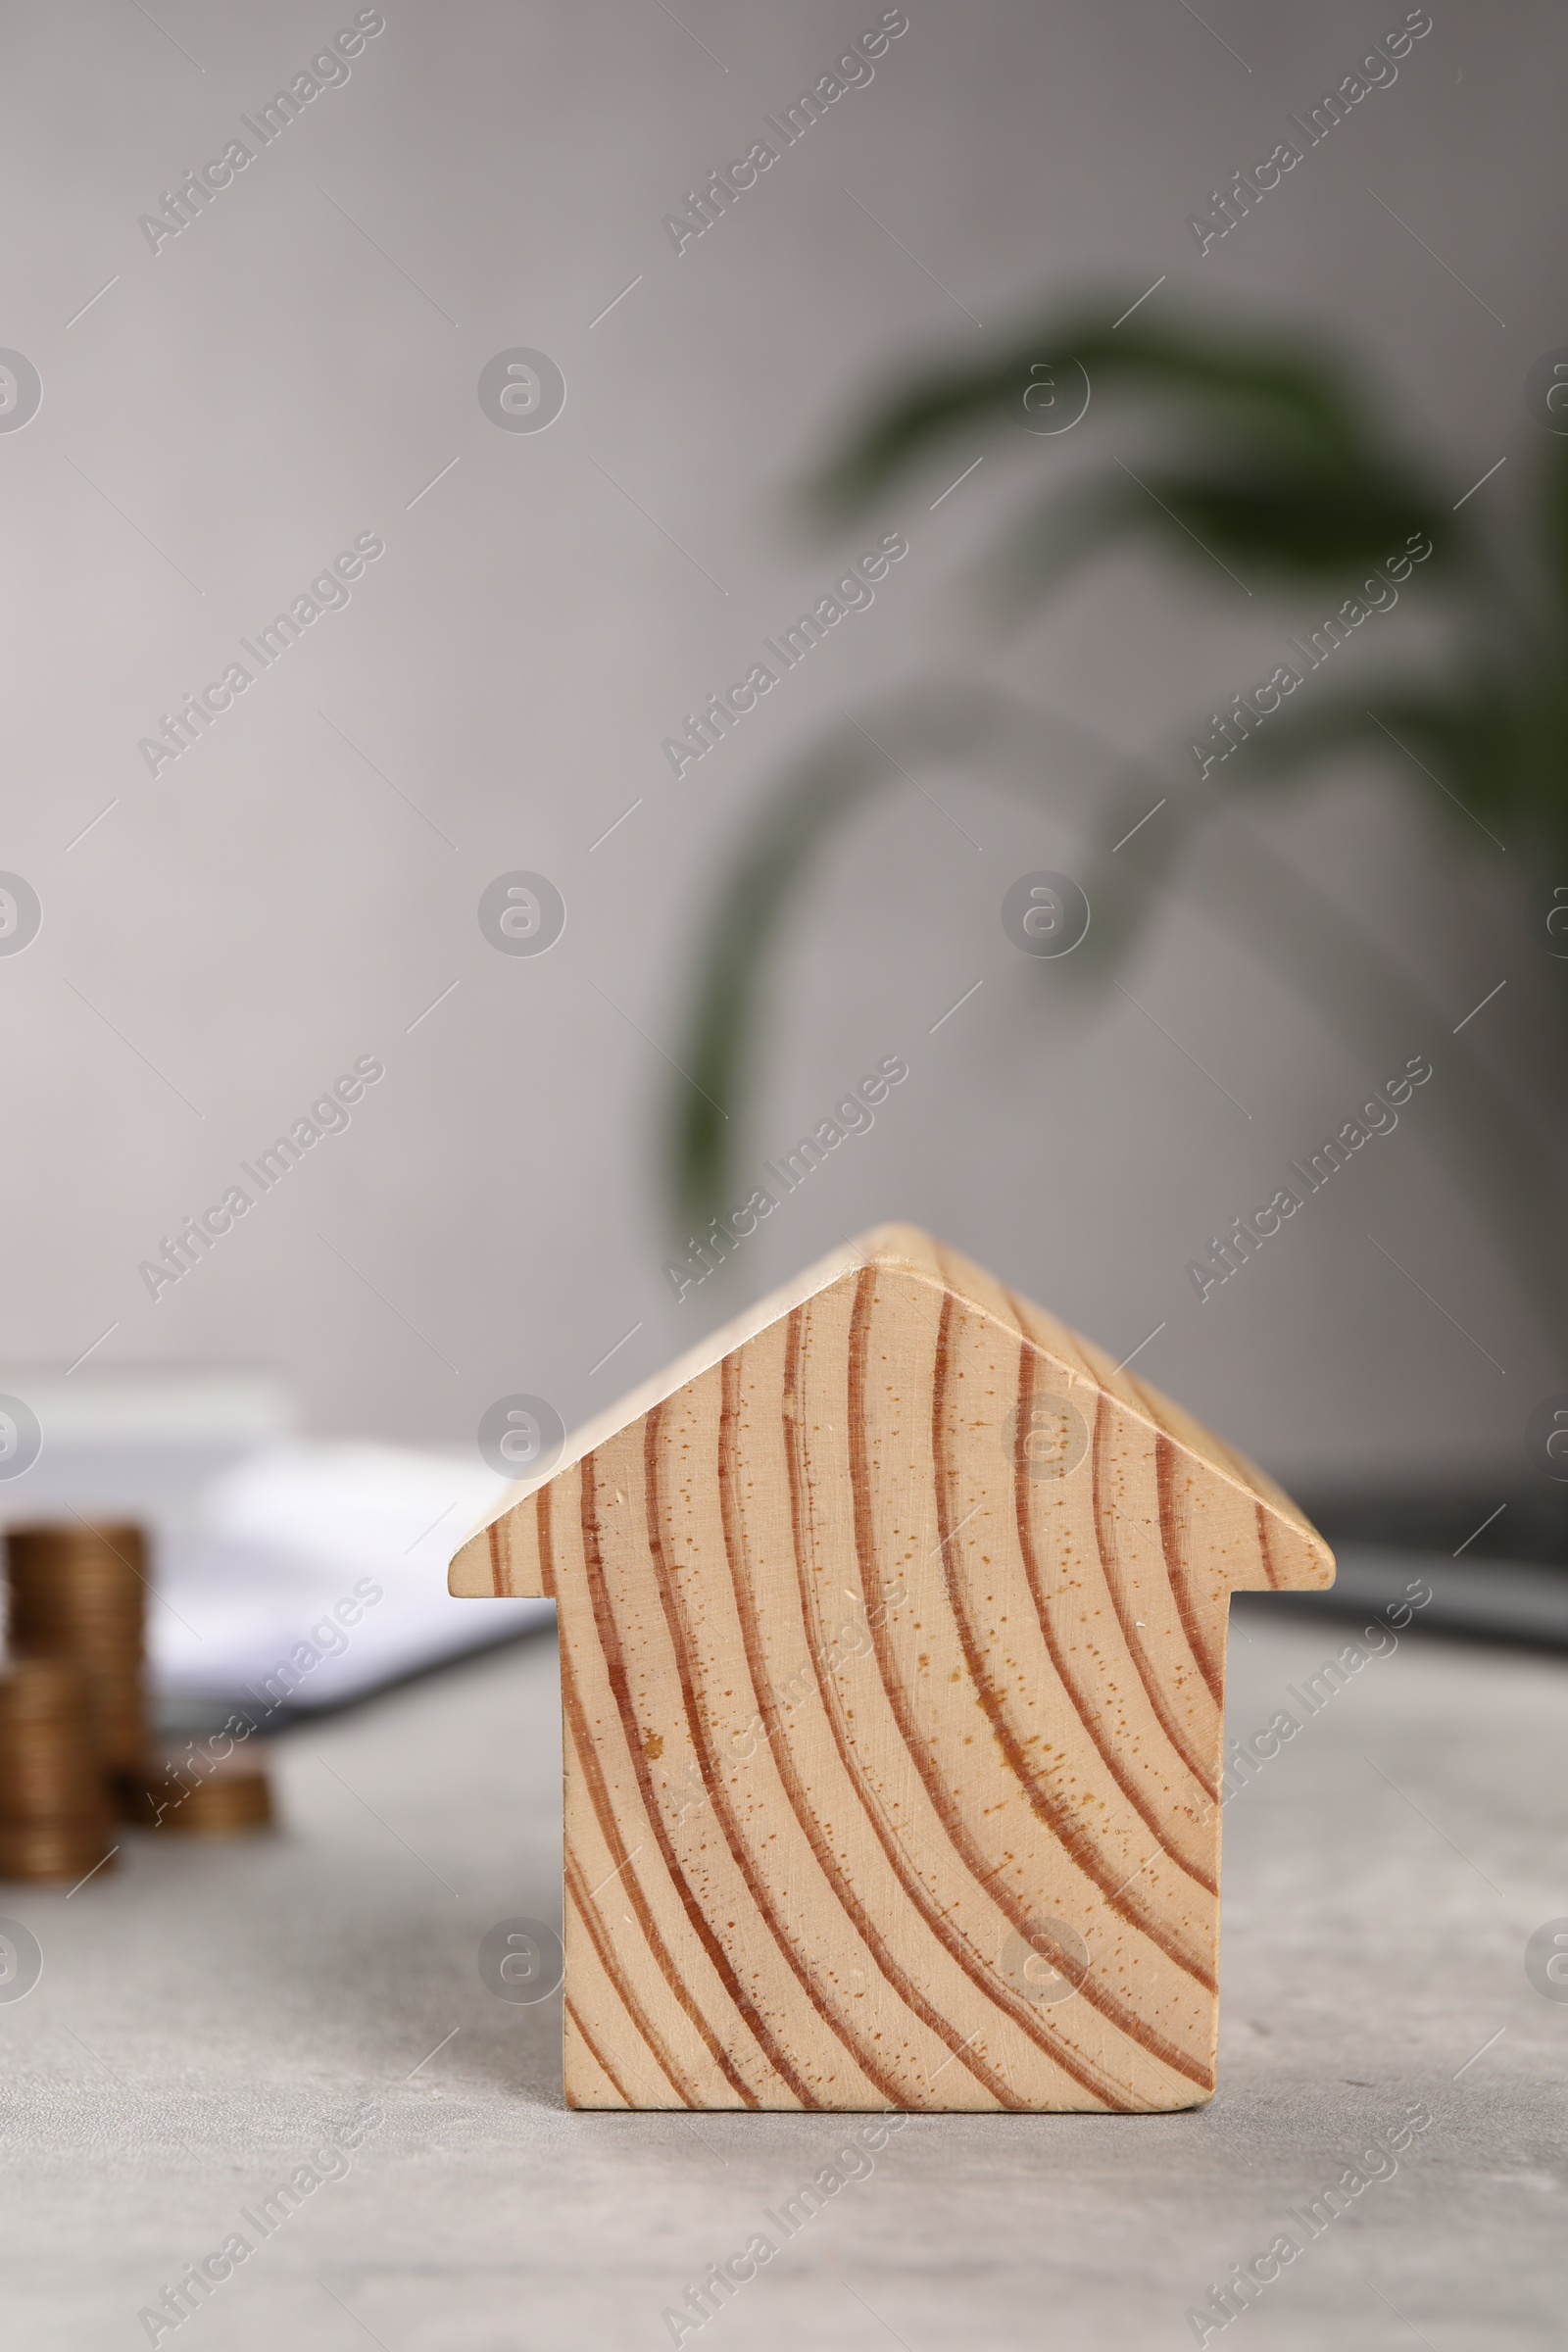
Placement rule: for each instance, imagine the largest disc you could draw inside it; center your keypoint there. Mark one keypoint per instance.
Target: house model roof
(893, 1626)
(1079, 1361)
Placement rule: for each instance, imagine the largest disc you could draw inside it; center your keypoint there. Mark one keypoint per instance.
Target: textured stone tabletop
(208, 2020)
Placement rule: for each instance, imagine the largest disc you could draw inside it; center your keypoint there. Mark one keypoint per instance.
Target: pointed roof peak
(907, 1249)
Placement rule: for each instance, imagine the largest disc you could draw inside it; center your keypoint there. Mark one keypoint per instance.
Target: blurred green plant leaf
(1275, 467)
(1286, 394)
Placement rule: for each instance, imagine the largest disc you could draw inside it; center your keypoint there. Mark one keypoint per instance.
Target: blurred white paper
(311, 1574)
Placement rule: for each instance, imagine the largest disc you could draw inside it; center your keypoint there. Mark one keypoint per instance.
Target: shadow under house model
(892, 1666)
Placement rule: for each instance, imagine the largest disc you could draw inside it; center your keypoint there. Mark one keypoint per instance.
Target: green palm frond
(1286, 396)
(1266, 461)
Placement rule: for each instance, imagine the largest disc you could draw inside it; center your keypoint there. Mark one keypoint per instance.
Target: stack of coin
(81, 1592)
(192, 1795)
(54, 1808)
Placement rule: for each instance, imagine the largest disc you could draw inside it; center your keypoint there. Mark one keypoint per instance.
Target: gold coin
(178, 1796)
(45, 1850)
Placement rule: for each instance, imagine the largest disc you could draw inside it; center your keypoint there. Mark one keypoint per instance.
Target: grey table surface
(207, 2018)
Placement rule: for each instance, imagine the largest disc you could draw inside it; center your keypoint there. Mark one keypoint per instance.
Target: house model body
(893, 1630)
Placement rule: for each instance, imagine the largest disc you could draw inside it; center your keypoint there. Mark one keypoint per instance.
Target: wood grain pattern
(892, 1648)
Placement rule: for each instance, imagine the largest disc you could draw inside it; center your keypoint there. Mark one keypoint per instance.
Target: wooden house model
(893, 1628)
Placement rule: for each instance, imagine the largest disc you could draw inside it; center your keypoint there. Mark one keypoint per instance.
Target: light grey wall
(294, 370)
